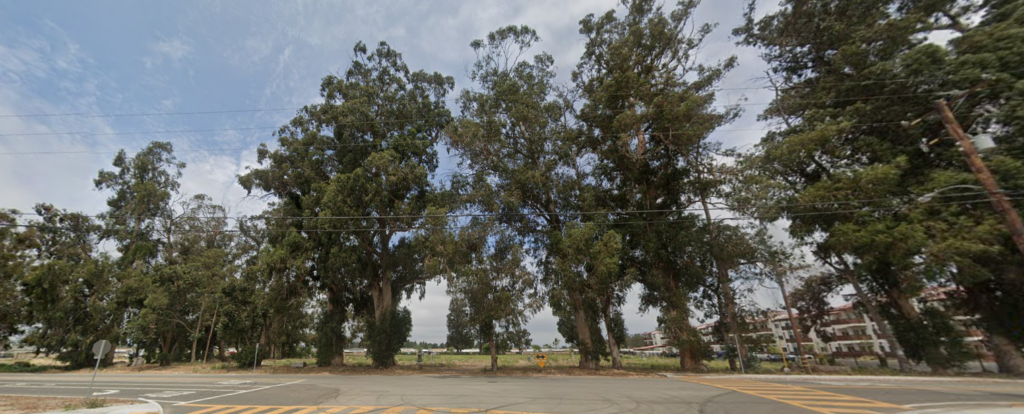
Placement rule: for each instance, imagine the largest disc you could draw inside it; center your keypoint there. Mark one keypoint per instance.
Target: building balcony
(847, 321)
(859, 354)
(852, 338)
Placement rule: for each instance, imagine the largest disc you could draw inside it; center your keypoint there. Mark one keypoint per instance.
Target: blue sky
(79, 62)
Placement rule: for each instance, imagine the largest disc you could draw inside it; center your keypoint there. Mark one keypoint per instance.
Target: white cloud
(175, 50)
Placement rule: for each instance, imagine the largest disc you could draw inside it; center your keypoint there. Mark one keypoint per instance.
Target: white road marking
(168, 394)
(240, 392)
(148, 389)
(963, 402)
(106, 392)
(237, 382)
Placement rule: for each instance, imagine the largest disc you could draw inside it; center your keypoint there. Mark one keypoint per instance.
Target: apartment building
(851, 332)
(773, 330)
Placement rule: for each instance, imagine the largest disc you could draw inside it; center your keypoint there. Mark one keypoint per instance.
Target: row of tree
(567, 196)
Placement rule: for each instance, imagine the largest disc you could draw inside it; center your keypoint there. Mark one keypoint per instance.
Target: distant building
(852, 332)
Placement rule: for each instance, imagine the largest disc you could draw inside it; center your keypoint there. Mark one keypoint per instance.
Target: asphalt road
(330, 394)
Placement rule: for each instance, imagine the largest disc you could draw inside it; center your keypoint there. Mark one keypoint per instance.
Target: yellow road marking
(815, 400)
(279, 410)
(362, 409)
(255, 410)
(212, 408)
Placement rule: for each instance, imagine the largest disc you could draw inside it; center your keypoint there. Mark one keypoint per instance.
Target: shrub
(244, 357)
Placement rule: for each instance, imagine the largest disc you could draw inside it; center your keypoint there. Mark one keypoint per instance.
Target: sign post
(99, 350)
(256, 359)
(541, 359)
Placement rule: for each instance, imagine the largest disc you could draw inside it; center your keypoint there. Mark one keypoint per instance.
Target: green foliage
(460, 329)
(647, 115)
(366, 151)
(946, 348)
(73, 292)
(246, 356)
(330, 334)
(22, 366)
(843, 89)
(385, 336)
(13, 252)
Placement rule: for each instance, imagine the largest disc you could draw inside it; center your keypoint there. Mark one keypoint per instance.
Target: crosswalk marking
(815, 400)
(335, 409)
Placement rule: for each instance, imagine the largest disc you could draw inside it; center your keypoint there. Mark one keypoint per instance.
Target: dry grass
(508, 365)
(10, 404)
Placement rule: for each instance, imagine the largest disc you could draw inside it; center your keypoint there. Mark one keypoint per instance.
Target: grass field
(554, 362)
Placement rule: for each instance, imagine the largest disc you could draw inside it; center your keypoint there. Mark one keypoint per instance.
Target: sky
(80, 80)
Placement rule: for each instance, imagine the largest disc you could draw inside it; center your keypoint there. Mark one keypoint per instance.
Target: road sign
(541, 359)
(100, 348)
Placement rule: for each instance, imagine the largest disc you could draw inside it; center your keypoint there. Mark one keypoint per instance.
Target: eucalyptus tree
(13, 265)
(589, 279)
(366, 152)
(522, 155)
(141, 221)
(460, 333)
(499, 292)
(649, 107)
(842, 166)
(71, 290)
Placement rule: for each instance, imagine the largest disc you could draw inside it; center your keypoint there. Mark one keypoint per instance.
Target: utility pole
(999, 201)
(793, 324)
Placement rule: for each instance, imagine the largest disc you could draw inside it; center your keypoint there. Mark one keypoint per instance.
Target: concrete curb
(798, 377)
(148, 407)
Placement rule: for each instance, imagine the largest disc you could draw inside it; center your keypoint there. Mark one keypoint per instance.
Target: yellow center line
(815, 400)
(256, 410)
(281, 410)
(206, 410)
(362, 409)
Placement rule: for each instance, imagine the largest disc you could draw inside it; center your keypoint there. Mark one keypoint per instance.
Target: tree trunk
(689, 359)
(221, 351)
(199, 328)
(382, 301)
(209, 337)
(725, 285)
(583, 333)
(494, 351)
(612, 345)
(1008, 356)
(876, 317)
(932, 352)
(794, 325)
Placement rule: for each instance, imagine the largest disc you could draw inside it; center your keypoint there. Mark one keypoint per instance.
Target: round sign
(100, 348)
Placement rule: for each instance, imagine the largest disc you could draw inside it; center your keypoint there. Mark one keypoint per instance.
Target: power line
(428, 227)
(87, 133)
(577, 213)
(649, 134)
(227, 111)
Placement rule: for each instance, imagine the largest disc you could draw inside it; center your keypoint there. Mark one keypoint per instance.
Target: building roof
(649, 347)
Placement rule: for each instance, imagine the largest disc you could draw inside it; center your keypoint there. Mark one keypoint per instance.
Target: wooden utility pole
(999, 201)
(793, 324)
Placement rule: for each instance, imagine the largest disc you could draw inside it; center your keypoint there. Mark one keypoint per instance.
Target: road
(330, 394)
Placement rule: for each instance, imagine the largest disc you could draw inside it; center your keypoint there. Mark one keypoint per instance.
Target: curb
(149, 407)
(799, 377)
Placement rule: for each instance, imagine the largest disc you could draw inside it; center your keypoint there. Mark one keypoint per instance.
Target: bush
(387, 336)
(244, 357)
(22, 366)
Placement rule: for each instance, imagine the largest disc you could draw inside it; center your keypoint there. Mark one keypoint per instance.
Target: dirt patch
(10, 404)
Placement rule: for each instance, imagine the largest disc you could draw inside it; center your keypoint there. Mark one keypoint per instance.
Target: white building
(852, 332)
